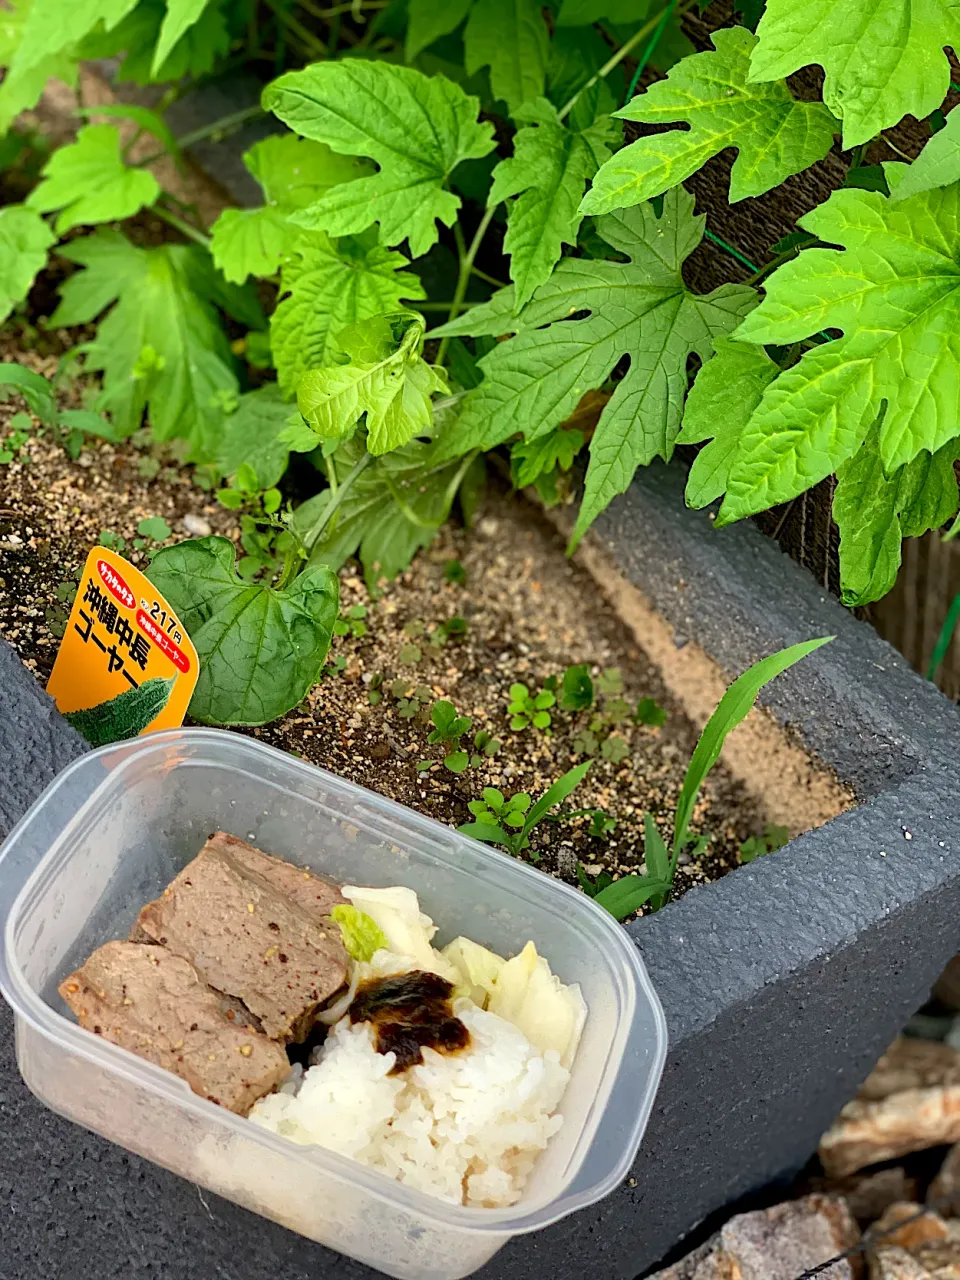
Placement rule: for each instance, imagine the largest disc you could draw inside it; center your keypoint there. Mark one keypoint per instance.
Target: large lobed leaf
(417, 128)
(774, 134)
(383, 376)
(640, 309)
(22, 91)
(937, 165)
(89, 181)
(883, 59)
(260, 649)
(893, 290)
(326, 285)
(510, 37)
(874, 512)
(293, 173)
(161, 346)
(546, 173)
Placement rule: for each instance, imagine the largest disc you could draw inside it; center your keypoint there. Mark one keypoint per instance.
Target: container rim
(525, 1216)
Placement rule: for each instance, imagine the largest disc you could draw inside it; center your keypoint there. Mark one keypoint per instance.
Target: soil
(529, 613)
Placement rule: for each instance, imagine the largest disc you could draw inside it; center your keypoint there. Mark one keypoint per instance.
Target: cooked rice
(466, 1127)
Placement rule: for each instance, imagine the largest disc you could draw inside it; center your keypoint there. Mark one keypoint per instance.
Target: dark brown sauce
(410, 1012)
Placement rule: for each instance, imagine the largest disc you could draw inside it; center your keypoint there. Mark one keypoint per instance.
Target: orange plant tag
(122, 636)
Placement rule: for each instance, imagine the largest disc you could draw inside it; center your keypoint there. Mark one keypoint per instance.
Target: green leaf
(24, 241)
(252, 434)
(727, 390)
(650, 712)
(874, 512)
(326, 285)
(562, 788)
(641, 309)
(894, 291)
(34, 388)
(510, 37)
(386, 379)
(775, 135)
(142, 117)
(136, 37)
(161, 347)
(937, 165)
(395, 507)
(629, 894)
(531, 459)
(23, 90)
(428, 21)
(89, 181)
(655, 852)
(488, 832)
(293, 173)
(731, 709)
(417, 129)
(881, 61)
(547, 172)
(261, 650)
(180, 16)
(155, 528)
(51, 26)
(577, 688)
(361, 934)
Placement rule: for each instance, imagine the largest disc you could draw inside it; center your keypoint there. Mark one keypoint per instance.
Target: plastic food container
(114, 829)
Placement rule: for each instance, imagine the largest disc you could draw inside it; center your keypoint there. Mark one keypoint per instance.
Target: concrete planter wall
(782, 983)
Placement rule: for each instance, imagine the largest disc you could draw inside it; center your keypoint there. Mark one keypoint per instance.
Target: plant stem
(482, 275)
(313, 44)
(221, 126)
(345, 486)
(648, 51)
(198, 237)
(466, 266)
(612, 63)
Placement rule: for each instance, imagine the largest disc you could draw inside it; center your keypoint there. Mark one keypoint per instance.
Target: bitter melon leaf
(24, 241)
(124, 716)
(774, 134)
(21, 92)
(530, 459)
(640, 309)
(89, 181)
(326, 285)
(894, 291)
(260, 649)
(52, 25)
(293, 173)
(161, 346)
(875, 511)
(136, 37)
(417, 128)
(180, 16)
(510, 37)
(395, 507)
(252, 433)
(428, 21)
(546, 173)
(719, 404)
(937, 165)
(882, 61)
(382, 375)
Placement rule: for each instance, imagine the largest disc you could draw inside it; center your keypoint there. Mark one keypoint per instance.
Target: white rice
(466, 1127)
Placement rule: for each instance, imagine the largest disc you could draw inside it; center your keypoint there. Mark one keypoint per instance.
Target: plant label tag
(126, 664)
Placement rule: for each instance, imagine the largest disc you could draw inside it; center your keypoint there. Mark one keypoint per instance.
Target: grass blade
(624, 896)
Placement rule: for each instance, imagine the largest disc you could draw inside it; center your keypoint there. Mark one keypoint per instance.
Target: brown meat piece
(255, 928)
(154, 1003)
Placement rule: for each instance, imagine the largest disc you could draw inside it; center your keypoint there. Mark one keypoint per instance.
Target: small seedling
(493, 808)
(576, 690)
(614, 748)
(624, 896)
(448, 729)
(414, 629)
(610, 682)
(375, 689)
(485, 746)
(601, 824)
(410, 655)
(586, 743)
(352, 622)
(453, 627)
(515, 841)
(773, 837)
(527, 709)
(454, 571)
(112, 541)
(19, 430)
(155, 528)
(650, 712)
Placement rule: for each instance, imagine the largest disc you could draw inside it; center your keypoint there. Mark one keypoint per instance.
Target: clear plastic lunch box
(113, 830)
